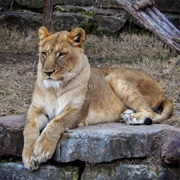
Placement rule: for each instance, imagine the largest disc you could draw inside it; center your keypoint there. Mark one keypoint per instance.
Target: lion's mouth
(54, 79)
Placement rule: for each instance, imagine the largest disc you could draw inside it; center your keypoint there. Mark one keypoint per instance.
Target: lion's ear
(43, 32)
(76, 37)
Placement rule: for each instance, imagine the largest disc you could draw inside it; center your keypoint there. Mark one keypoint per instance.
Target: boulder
(170, 151)
(30, 3)
(112, 171)
(99, 3)
(68, 21)
(22, 19)
(109, 24)
(116, 171)
(110, 141)
(11, 134)
(16, 171)
(94, 144)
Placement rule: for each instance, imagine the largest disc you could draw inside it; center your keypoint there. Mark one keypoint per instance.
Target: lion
(68, 93)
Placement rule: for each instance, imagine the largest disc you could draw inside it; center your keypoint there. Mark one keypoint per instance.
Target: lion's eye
(61, 54)
(44, 54)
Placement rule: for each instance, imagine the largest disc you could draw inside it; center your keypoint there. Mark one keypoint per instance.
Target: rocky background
(95, 16)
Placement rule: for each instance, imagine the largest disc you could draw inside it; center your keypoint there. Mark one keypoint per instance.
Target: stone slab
(106, 171)
(16, 171)
(170, 151)
(93, 144)
(11, 134)
(118, 171)
(110, 141)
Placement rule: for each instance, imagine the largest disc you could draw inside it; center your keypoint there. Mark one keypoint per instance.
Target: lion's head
(60, 55)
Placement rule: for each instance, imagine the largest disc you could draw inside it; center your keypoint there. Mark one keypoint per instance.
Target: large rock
(110, 141)
(11, 135)
(110, 24)
(16, 171)
(30, 3)
(94, 144)
(22, 19)
(68, 21)
(118, 171)
(113, 171)
(170, 151)
(101, 3)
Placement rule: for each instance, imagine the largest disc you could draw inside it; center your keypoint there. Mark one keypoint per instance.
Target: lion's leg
(142, 112)
(36, 121)
(46, 143)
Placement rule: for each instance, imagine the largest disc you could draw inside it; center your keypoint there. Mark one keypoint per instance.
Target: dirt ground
(18, 74)
(137, 49)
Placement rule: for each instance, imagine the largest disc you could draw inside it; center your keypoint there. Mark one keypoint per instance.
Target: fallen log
(143, 4)
(153, 20)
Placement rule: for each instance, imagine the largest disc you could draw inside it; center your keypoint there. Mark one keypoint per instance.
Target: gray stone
(39, 4)
(89, 10)
(110, 141)
(30, 3)
(111, 24)
(94, 144)
(68, 21)
(170, 151)
(16, 171)
(22, 19)
(11, 134)
(118, 171)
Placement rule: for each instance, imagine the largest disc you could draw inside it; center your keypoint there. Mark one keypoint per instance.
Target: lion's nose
(49, 72)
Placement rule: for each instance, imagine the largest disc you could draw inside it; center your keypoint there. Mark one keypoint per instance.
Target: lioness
(68, 93)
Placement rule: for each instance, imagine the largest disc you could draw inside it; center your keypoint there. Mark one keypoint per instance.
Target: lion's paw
(43, 150)
(129, 117)
(28, 160)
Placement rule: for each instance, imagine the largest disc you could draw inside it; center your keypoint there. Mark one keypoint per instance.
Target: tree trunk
(47, 14)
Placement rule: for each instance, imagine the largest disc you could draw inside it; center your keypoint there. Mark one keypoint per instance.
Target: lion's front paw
(28, 159)
(44, 149)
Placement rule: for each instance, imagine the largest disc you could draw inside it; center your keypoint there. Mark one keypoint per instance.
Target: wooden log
(153, 20)
(163, 18)
(143, 4)
(163, 24)
(158, 31)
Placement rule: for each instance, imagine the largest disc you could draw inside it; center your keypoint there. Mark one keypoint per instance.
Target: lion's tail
(167, 109)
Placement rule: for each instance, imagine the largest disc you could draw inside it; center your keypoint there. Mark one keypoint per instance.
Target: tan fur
(68, 93)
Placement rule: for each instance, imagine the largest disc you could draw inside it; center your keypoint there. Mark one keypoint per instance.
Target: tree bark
(47, 14)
